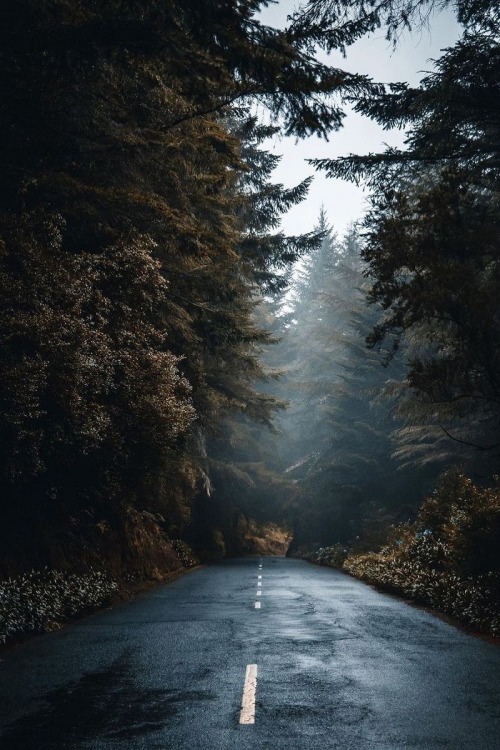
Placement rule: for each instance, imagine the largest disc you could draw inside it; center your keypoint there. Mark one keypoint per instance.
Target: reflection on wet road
(324, 662)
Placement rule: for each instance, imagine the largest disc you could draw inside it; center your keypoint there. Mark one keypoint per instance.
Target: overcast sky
(344, 202)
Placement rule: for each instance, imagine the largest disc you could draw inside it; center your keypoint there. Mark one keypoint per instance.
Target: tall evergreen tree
(119, 167)
(432, 245)
(337, 433)
(241, 470)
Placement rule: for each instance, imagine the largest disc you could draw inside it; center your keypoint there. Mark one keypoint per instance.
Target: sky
(374, 56)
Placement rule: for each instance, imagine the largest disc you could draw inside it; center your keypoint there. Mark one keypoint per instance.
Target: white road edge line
(247, 713)
(257, 605)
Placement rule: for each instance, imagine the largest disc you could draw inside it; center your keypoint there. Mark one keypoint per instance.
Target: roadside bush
(449, 559)
(474, 602)
(184, 553)
(333, 556)
(41, 600)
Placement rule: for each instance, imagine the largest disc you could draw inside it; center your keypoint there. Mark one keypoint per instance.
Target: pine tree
(432, 246)
(242, 476)
(114, 129)
(336, 435)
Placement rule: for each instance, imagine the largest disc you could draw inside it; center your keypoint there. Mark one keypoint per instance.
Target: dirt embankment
(254, 538)
(85, 565)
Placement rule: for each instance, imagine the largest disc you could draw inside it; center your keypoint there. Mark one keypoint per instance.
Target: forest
(180, 380)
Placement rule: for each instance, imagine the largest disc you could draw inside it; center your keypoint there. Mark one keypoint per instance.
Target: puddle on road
(109, 704)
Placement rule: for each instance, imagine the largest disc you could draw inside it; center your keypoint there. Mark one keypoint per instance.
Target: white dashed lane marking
(257, 605)
(247, 713)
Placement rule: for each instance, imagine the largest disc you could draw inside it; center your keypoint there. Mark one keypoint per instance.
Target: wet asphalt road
(339, 666)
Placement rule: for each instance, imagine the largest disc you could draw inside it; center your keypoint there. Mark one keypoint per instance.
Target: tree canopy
(431, 237)
(144, 273)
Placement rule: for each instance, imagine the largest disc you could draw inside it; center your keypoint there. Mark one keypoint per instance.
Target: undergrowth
(41, 600)
(333, 556)
(448, 559)
(184, 553)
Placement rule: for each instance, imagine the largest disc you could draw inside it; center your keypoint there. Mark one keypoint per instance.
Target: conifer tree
(242, 474)
(114, 129)
(336, 435)
(432, 243)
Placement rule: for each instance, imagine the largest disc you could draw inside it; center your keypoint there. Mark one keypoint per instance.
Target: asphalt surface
(338, 666)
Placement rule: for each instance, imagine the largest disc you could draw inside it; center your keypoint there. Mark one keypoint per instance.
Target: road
(333, 664)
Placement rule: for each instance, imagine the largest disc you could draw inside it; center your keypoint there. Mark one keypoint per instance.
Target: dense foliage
(39, 601)
(432, 245)
(449, 558)
(167, 350)
(139, 229)
(335, 439)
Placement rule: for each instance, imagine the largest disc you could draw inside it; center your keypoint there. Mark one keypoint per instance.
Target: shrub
(449, 559)
(333, 556)
(41, 600)
(184, 553)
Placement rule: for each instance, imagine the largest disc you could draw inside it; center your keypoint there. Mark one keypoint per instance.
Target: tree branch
(471, 445)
